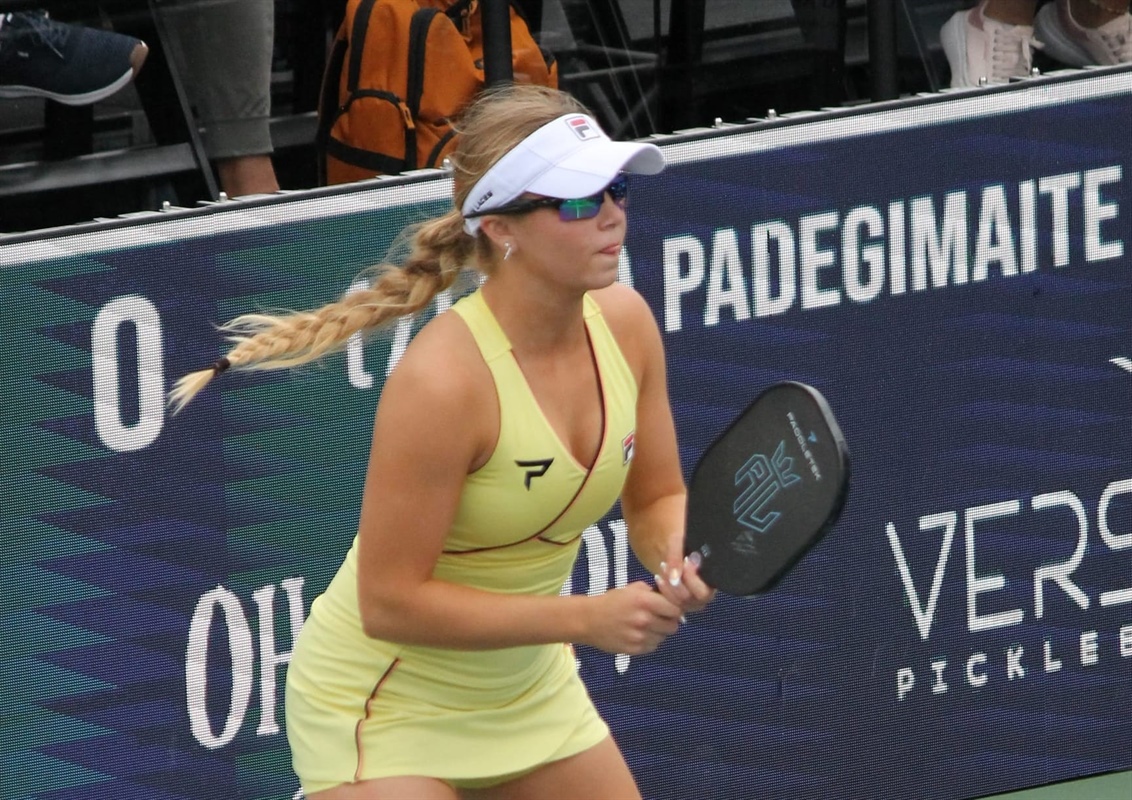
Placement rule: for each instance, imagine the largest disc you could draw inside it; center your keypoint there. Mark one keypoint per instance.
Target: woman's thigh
(600, 771)
(408, 788)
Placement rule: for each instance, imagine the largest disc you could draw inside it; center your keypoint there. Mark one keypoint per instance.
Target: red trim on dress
(362, 721)
(600, 446)
(585, 480)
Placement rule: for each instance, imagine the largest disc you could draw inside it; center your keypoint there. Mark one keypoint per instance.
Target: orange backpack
(399, 71)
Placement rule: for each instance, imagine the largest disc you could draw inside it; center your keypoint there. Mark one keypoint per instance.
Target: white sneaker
(1078, 46)
(980, 47)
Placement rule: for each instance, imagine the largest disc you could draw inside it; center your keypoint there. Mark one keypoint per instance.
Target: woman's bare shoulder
(630, 319)
(445, 338)
(442, 370)
(623, 305)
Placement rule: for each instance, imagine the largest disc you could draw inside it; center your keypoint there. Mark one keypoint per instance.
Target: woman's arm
(655, 496)
(438, 420)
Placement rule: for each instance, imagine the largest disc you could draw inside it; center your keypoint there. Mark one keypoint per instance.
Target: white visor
(569, 157)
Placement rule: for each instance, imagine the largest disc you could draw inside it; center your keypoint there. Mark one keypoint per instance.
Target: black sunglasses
(571, 209)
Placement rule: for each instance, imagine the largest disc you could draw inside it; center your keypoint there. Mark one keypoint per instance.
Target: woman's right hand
(634, 620)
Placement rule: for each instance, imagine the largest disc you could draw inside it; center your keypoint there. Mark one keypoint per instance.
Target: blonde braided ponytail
(440, 249)
(492, 125)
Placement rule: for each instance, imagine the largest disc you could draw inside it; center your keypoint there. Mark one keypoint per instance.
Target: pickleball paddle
(767, 490)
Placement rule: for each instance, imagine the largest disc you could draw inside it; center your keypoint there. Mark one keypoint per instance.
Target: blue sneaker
(72, 64)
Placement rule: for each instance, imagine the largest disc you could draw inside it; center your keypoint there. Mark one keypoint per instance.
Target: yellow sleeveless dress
(360, 708)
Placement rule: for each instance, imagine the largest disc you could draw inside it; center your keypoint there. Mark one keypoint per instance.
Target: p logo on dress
(535, 468)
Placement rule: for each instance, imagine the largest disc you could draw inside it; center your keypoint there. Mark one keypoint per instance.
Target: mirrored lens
(619, 190)
(580, 208)
(588, 207)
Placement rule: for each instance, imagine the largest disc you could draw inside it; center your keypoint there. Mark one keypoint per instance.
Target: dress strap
(489, 336)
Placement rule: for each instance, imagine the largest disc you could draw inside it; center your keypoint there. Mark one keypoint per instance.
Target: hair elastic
(220, 365)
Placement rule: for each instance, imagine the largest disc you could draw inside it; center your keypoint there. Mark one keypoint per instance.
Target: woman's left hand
(680, 583)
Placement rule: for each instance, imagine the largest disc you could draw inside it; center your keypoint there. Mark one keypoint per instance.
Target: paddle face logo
(759, 480)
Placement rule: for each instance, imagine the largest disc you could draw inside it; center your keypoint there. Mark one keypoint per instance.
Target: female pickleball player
(436, 665)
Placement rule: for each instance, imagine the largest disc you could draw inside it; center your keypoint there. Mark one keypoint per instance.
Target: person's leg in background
(226, 51)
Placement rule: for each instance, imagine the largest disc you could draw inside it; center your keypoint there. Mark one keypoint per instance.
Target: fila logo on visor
(582, 128)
